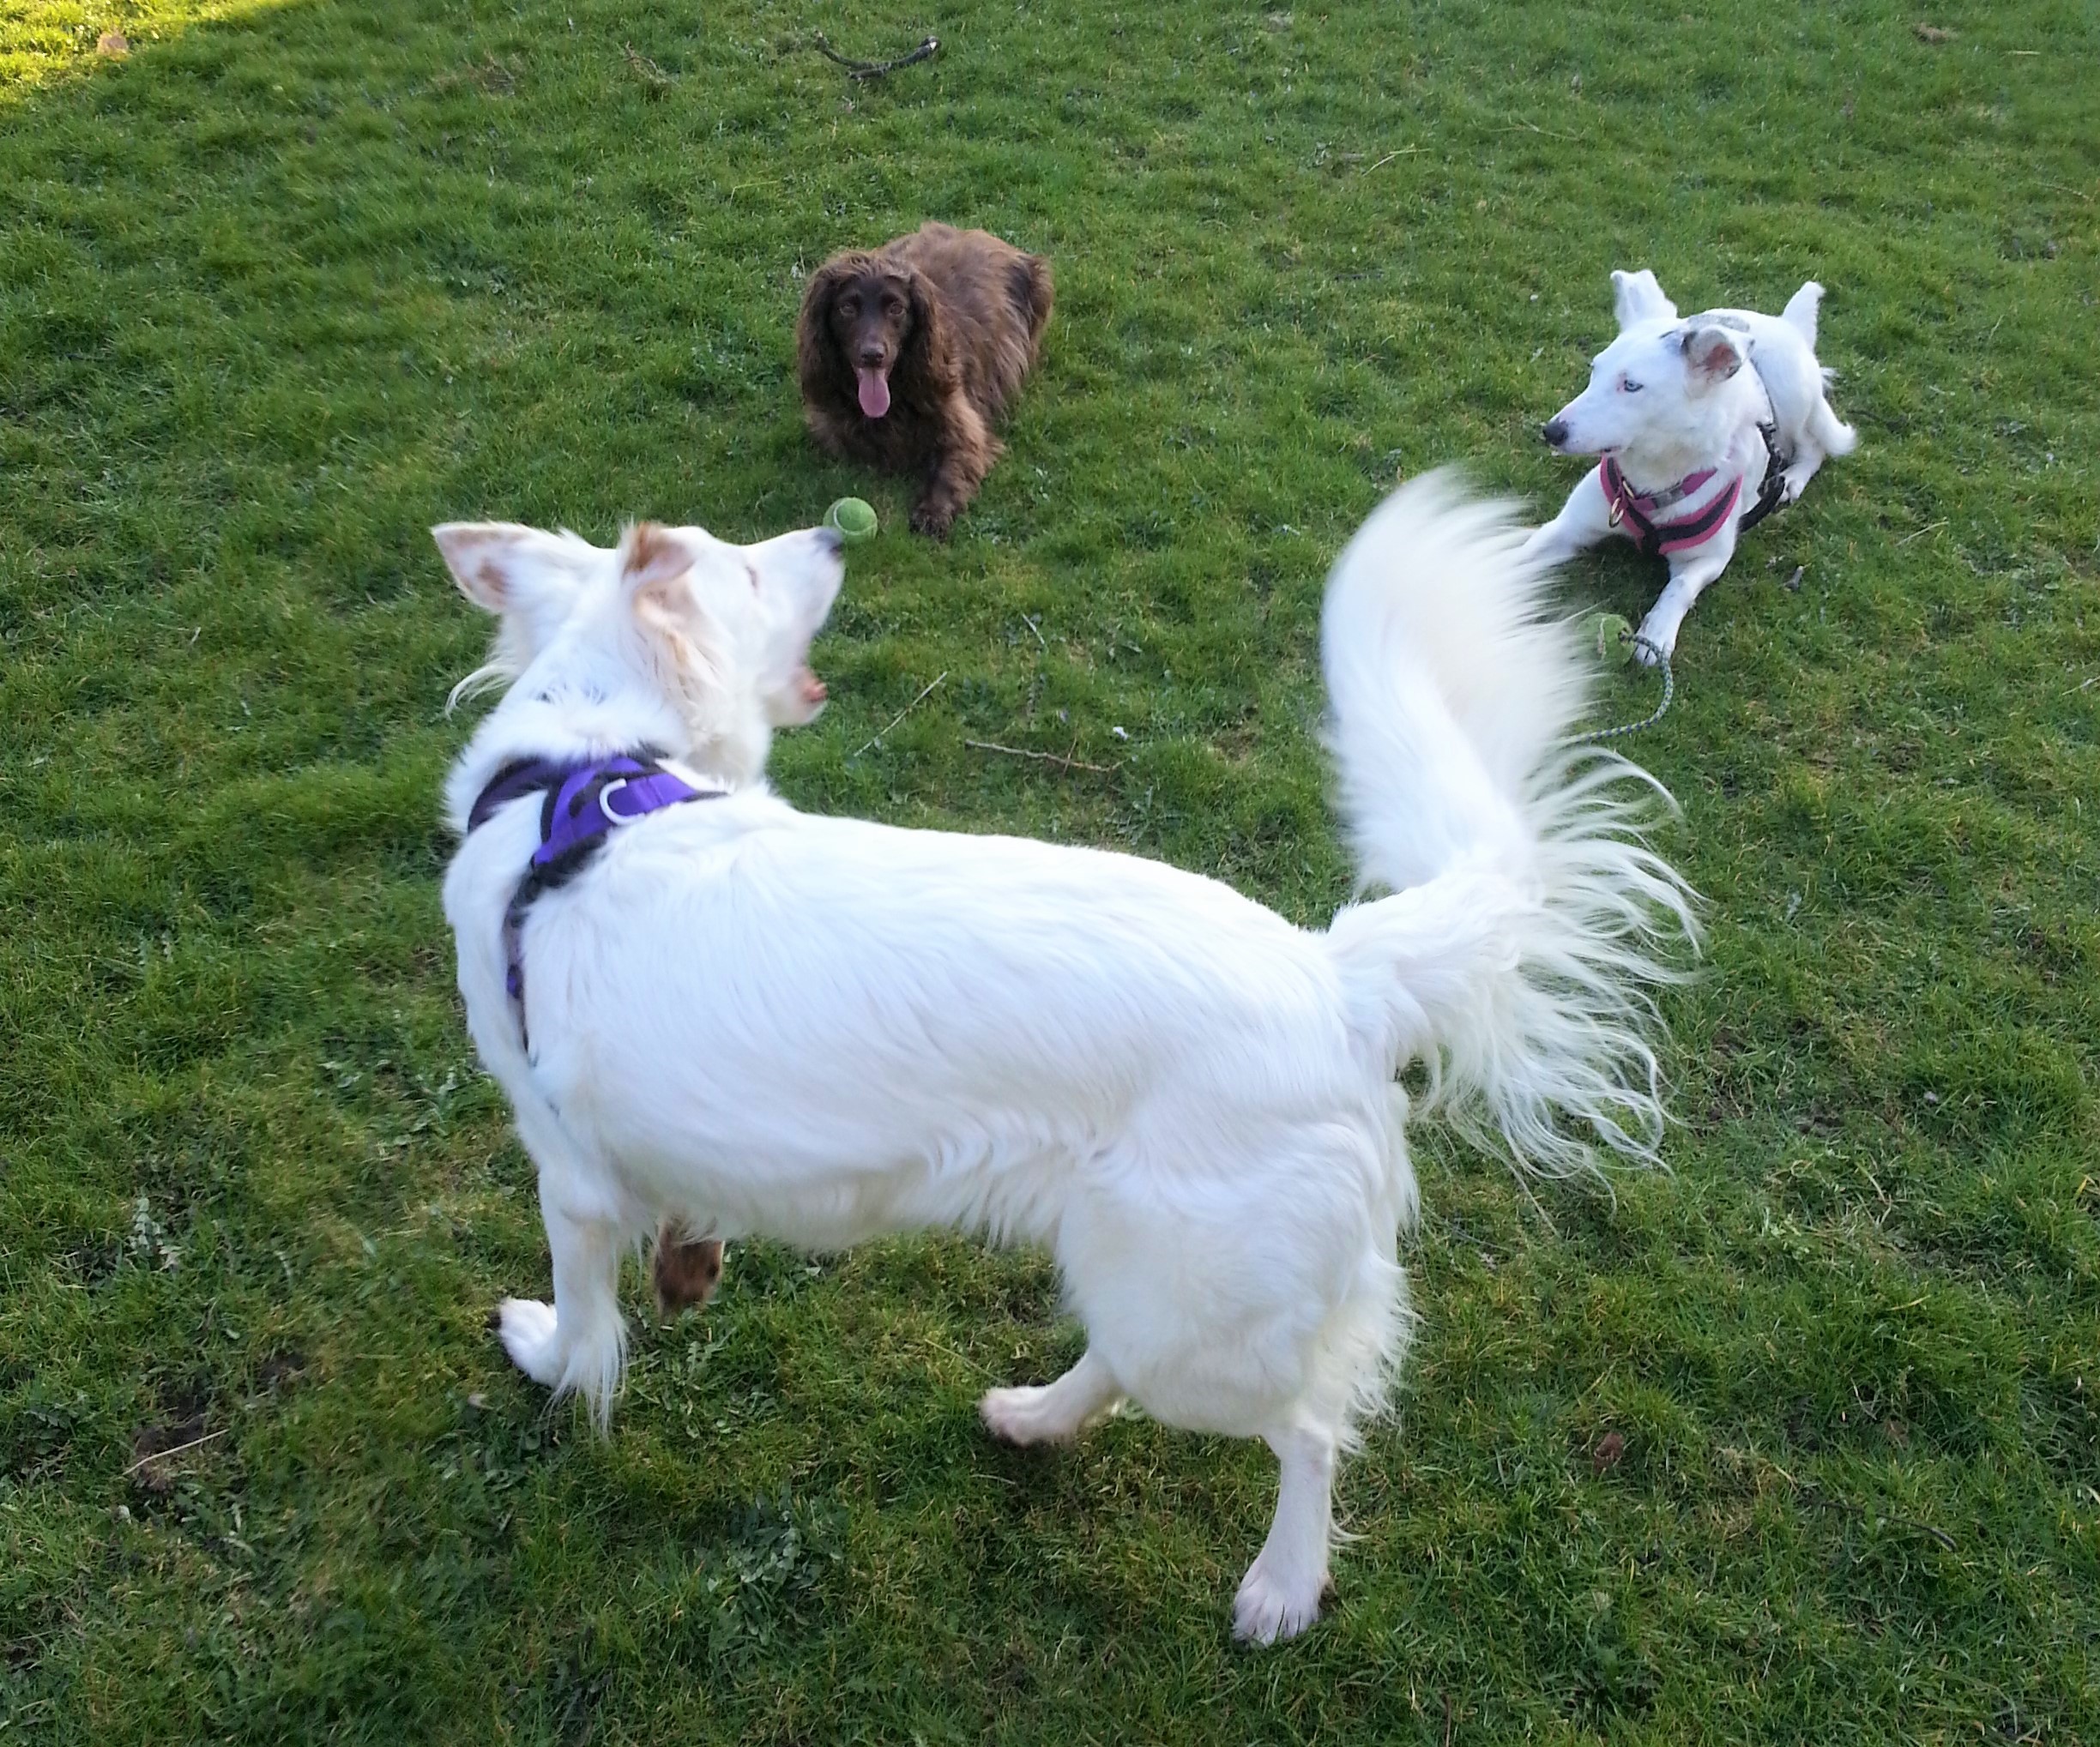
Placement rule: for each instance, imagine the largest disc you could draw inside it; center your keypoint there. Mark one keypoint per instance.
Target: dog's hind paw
(1268, 1610)
(1026, 1416)
(526, 1326)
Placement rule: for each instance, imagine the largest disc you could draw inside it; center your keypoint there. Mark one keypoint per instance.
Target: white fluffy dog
(760, 1022)
(1695, 446)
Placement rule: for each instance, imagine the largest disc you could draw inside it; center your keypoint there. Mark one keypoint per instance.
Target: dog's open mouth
(874, 392)
(810, 688)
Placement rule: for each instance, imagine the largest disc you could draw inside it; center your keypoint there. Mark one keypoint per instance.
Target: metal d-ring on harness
(577, 816)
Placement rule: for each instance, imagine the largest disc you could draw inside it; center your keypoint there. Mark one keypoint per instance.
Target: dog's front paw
(933, 520)
(526, 1326)
(1268, 1609)
(1654, 644)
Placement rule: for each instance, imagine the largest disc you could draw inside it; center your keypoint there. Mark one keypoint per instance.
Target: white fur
(1669, 397)
(823, 1029)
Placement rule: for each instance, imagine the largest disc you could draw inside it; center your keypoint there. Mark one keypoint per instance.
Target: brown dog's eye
(849, 307)
(893, 306)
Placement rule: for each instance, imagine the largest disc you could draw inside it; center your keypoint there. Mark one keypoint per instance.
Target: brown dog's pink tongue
(874, 392)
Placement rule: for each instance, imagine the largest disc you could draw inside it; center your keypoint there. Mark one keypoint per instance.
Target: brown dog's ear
(818, 358)
(926, 345)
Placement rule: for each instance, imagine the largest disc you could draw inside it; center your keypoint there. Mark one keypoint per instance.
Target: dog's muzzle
(1554, 430)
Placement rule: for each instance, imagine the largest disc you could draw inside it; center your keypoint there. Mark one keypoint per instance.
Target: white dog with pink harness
(1694, 447)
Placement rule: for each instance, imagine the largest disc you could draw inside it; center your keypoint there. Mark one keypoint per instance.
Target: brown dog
(910, 353)
(685, 1269)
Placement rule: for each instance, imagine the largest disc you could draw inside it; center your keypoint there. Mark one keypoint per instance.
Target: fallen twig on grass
(877, 69)
(1057, 759)
(655, 79)
(158, 1455)
(875, 739)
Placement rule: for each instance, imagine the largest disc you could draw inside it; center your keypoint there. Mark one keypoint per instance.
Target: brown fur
(685, 1269)
(955, 319)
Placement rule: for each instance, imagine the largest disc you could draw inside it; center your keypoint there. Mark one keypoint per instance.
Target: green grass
(290, 284)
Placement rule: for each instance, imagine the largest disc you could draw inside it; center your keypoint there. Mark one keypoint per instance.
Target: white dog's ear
(680, 640)
(649, 556)
(1637, 297)
(505, 567)
(1712, 355)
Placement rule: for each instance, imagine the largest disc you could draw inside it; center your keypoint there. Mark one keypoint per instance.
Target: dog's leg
(1688, 579)
(967, 450)
(579, 1341)
(1054, 1413)
(1808, 459)
(1583, 520)
(1279, 1595)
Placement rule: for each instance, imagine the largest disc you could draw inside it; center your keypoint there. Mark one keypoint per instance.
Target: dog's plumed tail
(1527, 922)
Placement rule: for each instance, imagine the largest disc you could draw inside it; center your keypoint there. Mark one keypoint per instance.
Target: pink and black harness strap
(1639, 510)
(584, 803)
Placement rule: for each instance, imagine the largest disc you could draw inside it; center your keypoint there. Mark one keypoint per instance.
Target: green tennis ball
(1615, 635)
(855, 517)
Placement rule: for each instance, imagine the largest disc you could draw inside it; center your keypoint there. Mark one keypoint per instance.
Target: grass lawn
(292, 282)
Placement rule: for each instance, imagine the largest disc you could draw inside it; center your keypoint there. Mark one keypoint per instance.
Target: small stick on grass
(653, 77)
(161, 1454)
(877, 69)
(1928, 528)
(1056, 758)
(875, 739)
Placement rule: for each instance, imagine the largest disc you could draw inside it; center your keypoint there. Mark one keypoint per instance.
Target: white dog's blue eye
(1628, 386)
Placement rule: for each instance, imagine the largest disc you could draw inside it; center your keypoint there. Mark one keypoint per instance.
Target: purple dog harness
(584, 803)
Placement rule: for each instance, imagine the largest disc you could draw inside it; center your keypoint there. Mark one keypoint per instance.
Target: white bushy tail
(1529, 922)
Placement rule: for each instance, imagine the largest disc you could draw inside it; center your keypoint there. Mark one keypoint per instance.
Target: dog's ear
(817, 354)
(652, 569)
(1637, 297)
(926, 345)
(505, 567)
(1712, 354)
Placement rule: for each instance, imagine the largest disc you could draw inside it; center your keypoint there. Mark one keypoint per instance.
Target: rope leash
(1631, 639)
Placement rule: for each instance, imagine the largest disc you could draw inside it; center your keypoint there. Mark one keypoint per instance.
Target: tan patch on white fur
(649, 555)
(470, 551)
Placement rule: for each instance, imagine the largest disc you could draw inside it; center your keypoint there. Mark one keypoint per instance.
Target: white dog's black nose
(1554, 431)
(829, 537)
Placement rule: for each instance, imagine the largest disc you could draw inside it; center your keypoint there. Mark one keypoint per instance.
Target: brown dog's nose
(872, 356)
(1554, 431)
